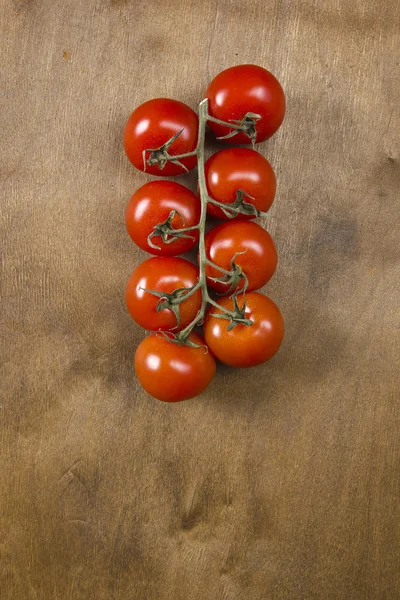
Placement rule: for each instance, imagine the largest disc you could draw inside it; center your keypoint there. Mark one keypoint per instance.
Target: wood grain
(278, 483)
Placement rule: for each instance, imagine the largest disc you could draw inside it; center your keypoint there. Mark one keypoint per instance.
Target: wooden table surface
(280, 482)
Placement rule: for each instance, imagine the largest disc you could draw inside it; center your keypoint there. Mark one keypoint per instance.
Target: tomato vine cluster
(170, 295)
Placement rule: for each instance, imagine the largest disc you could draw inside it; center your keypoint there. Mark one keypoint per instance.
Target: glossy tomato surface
(246, 346)
(151, 205)
(246, 89)
(256, 256)
(172, 373)
(243, 169)
(155, 122)
(162, 274)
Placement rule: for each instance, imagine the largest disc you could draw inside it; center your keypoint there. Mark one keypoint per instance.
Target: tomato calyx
(172, 300)
(160, 156)
(167, 233)
(181, 340)
(247, 125)
(239, 206)
(231, 278)
(235, 316)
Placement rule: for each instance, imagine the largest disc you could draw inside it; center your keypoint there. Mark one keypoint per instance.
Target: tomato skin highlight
(246, 346)
(163, 274)
(172, 373)
(257, 256)
(233, 169)
(151, 205)
(152, 124)
(246, 89)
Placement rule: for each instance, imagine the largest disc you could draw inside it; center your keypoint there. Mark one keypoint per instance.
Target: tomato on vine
(172, 372)
(245, 345)
(151, 205)
(153, 125)
(246, 244)
(167, 277)
(244, 89)
(234, 169)
(169, 295)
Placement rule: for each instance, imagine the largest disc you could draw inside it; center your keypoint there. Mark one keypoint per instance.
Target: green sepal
(170, 300)
(160, 156)
(165, 231)
(247, 125)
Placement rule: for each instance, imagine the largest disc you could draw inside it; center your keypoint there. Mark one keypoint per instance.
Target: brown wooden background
(278, 483)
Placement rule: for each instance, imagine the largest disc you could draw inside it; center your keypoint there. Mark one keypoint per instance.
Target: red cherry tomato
(151, 205)
(246, 89)
(244, 345)
(170, 372)
(162, 274)
(233, 169)
(257, 256)
(155, 122)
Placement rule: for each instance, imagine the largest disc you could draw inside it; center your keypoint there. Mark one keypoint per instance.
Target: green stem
(214, 303)
(191, 292)
(180, 156)
(184, 229)
(204, 199)
(237, 126)
(226, 207)
(202, 282)
(214, 266)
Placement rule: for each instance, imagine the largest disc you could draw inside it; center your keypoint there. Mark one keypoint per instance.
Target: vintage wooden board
(278, 483)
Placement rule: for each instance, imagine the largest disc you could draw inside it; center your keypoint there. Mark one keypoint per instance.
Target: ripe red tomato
(246, 89)
(162, 274)
(170, 372)
(155, 122)
(245, 346)
(258, 259)
(243, 169)
(151, 205)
